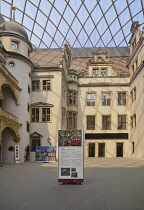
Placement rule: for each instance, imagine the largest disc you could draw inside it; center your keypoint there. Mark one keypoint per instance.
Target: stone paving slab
(109, 184)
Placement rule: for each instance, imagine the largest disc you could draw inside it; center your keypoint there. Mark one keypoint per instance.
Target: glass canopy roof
(80, 23)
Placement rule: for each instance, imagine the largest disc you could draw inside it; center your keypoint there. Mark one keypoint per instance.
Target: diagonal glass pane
(102, 26)
(69, 15)
(31, 10)
(41, 19)
(63, 27)
(55, 17)
(120, 5)
(105, 5)
(82, 37)
(81, 15)
(96, 15)
(124, 16)
(110, 15)
(115, 27)
(45, 7)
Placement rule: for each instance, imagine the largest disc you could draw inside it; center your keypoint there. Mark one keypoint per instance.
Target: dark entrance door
(119, 149)
(101, 150)
(91, 149)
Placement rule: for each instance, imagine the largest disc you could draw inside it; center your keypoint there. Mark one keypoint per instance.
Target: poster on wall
(17, 155)
(71, 159)
(45, 154)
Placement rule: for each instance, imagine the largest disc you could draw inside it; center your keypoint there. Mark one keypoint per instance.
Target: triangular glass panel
(77, 44)
(70, 37)
(123, 44)
(76, 26)
(126, 28)
(118, 37)
(124, 17)
(36, 2)
(55, 17)
(82, 14)
(88, 44)
(38, 30)
(18, 16)
(45, 7)
(28, 22)
(68, 15)
(135, 7)
(75, 5)
(102, 26)
(114, 27)
(111, 44)
(139, 17)
(31, 10)
(128, 38)
(96, 15)
(35, 41)
(120, 5)
(94, 37)
(50, 28)
(105, 5)
(58, 38)
(20, 4)
(106, 37)
(63, 27)
(82, 37)
(53, 45)
(90, 4)
(60, 6)
(47, 39)
(110, 15)
(41, 19)
(5, 9)
(89, 26)
(42, 46)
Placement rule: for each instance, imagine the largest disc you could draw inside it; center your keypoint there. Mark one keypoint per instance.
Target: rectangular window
(106, 122)
(90, 99)
(106, 98)
(15, 45)
(104, 72)
(122, 99)
(133, 147)
(46, 115)
(35, 114)
(133, 94)
(72, 120)
(46, 84)
(95, 72)
(90, 122)
(28, 125)
(121, 122)
(28, 89)
(133, 121)
(72, 97)
(35, 141)
(35, 85)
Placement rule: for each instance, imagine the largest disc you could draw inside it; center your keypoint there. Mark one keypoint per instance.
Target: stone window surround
(106, 126)
(122, 99)
(122, 122)
(41, 115)
(41, 84)
(99, 71)
(91, 100)
(87, 126)
(16, 43)
(108, 99)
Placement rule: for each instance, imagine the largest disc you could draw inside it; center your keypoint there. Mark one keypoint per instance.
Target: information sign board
(17, 156)
(45, 153)
(71, 161)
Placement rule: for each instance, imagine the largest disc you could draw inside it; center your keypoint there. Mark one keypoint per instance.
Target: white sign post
(17, 157)
(70, 156)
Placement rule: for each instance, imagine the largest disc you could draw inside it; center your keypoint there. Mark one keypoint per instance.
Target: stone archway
(9, 137)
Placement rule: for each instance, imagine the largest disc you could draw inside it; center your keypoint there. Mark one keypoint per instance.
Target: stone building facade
(98, 90)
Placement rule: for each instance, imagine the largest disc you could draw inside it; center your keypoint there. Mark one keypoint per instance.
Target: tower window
(15, 45)
(11, 64)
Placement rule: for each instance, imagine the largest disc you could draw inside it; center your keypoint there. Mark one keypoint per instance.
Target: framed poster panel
(71, 158)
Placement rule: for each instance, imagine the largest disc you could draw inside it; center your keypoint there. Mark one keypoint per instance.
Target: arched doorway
(8, 145)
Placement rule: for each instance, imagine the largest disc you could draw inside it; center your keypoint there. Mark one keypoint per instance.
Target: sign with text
(70, 156)
(17, 155)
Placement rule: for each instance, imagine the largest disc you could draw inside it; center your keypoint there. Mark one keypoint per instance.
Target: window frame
(92, 101)
(35, 115)
(122, 122)
(121, 99)
(107, 128)
(35, 85)
(106, 99)
(47, 115)
(16, 44)
(91, 127)
(48, 87)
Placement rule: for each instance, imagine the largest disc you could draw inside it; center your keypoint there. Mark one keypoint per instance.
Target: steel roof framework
(74, 22)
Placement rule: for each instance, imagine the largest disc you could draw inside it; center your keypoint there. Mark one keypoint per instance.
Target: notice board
(71, 158)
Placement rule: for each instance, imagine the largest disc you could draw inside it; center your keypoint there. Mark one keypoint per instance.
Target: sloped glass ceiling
(80, 23)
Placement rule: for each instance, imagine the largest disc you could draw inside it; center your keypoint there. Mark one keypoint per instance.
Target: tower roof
(13, 27)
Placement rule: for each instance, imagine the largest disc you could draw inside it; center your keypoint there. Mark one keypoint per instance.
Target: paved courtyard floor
(109, 184)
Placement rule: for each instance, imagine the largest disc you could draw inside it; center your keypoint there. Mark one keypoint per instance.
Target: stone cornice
(104, 85)
(136, 50)
(17, 36)
(20, 57)
(137, 72)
